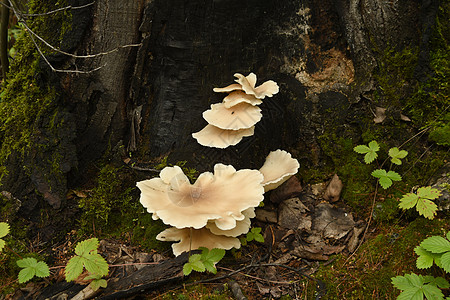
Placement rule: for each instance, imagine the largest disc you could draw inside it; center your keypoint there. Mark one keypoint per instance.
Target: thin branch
(49, 12)
(57, 10)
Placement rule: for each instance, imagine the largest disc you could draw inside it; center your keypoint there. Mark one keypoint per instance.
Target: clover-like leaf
(436, 244)
(86, 257)
(386, 178)
(396, 155)
(255, 234)
(427, 192)
(426, 208)
(369, 151)
(422, 199)
(415, 286)
(426, 258)
(4, 230)
(30, 268)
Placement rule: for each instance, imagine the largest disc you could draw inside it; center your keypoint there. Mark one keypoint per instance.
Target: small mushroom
(212, 136)
(278, 167)
(240, 116)
(237, 97)
(220, 197)
(191, 239)
(268, 88)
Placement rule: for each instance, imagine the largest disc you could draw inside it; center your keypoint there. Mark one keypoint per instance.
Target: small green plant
(432, 250)
(385, 178)
(205, 261)
(415, 286)
(396, 155)
(369, 151)
(435, 249)
(30, 268)
(422, 201)
(4, 230)
(87, 257)
(253, 234)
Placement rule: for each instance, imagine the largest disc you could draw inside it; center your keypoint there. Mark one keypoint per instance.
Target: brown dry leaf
(334, 189)
(380, 114)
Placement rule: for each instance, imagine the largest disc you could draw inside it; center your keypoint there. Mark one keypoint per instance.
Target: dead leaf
(380, 114)
(334, 189)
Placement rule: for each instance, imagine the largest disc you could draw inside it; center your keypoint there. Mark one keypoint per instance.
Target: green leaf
(426, 208)
(215, 255)
(432, 292)
(87, 257)
(426, 258)
(408, 201)
(413, 293)
(74, 268)
(436, 244)
(414, 279)
(96, 264)
(2, 244)
(187, 269)
(438, 281)
(428, 192)
(210, 267)
(401, 282)
(4, 229)
(386, 178)
(396, 155)
(26, 274)
(85, 247)
(98, 283)
(30, 268)
(445, 262)
(370, 151)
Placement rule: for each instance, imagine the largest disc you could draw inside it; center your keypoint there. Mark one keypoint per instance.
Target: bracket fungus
(189, 239)
(235, 117)
(278, 167)
(216, 208)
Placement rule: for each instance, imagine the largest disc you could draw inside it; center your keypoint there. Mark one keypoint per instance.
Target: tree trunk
(148, 100)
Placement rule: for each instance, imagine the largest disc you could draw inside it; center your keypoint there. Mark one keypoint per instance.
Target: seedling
(206, 261)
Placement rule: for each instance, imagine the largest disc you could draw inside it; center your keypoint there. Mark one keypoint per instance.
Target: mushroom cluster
(235, 117)
(218, 207)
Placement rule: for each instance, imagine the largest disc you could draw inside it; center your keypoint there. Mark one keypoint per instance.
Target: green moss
(368, 273)
(108, 203)
(25, 103)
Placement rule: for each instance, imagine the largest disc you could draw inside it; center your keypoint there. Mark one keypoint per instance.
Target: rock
(291, 212)
(289, 189)
(334, 189)
(442, 183)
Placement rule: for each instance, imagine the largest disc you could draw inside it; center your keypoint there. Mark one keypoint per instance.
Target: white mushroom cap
(212, 136)
(227, 89)
(240, 116)
(200, 238)
(242, 226)
(278, 167)
(237, 97)
(268, 88)
(221, 197)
